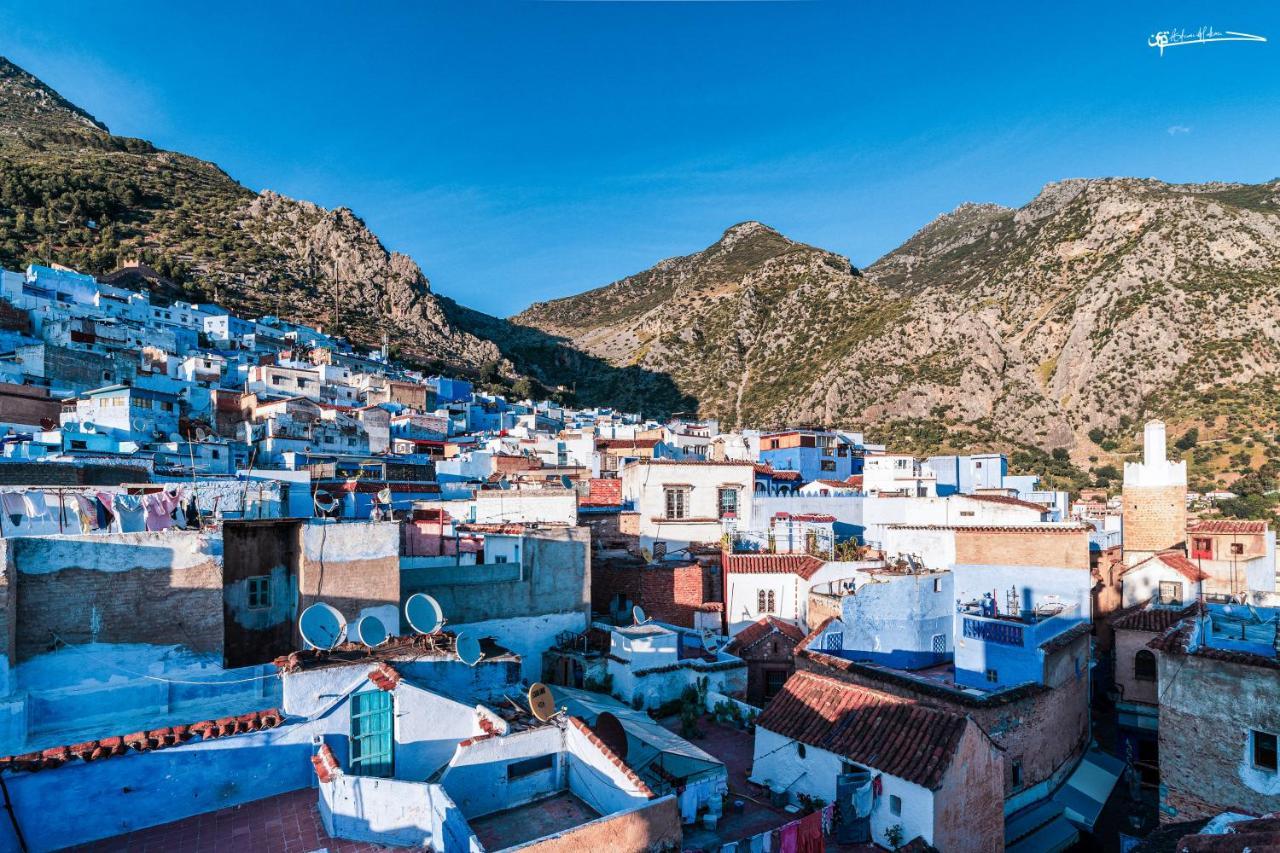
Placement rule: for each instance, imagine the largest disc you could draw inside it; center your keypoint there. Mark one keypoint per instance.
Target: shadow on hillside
(554, 361)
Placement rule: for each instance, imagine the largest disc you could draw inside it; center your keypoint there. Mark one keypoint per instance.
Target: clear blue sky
(527, 150)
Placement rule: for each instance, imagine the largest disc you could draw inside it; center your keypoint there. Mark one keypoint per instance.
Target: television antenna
(325, 503)
(541, 701)
(371, 631)
(322, 626)
(423, 614)
(468, 649)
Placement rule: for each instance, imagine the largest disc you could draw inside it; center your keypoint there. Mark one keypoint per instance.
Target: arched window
(1144, 666)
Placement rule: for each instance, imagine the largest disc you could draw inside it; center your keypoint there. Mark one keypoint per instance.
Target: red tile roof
(769, 471)
(1260, 835)
(626, 443)
(836, 484)
(1226, 525)
(1154, 620)
(384, 676)
(761, 628)
(755, 564)
(882, 731)
(1177, 561)
(1008, 500)
(602, 492)
(143, 741)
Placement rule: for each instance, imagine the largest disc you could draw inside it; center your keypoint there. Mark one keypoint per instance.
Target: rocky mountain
(73, 193)
(1052, 325)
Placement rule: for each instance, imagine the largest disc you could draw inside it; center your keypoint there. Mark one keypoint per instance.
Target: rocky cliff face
(1100, 299)
(73, 193)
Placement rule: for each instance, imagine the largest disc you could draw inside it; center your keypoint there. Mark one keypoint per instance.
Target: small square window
(500, 558)
(937, 584)
(993, 676)
(1237, 548)
(895, 804)
(1264, 751)
(259, 592)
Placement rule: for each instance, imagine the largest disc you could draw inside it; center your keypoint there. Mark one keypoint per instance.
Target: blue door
(372, 734)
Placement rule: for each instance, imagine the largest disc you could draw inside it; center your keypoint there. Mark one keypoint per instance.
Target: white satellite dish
(371, 631)
(638, 616)
(423, 613)
(322, 626)
(325, 503)
(139, 424)
(541, 702)
(201, 434)
(384, 495)
(710, 641)
(469, 649)
(175, 437)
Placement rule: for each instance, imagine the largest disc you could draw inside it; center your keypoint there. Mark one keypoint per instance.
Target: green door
(372, 734)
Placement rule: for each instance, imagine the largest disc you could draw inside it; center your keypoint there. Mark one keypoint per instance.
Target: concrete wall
(1127, 645)
(594, 778)
(1207, 711)
(82, 802)
(390, 811)
(354, 567)
(477, 779)
(893, 620)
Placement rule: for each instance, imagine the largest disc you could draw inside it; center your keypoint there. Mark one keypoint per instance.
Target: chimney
(1153, 446)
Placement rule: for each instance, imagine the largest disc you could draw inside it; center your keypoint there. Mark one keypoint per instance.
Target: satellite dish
(541, 702)
(371, 631)
(637, 614)
(87, 426)
(423, 613)
(175, 437)
(710, 641)
(139, 424)
(609, 729)
(468, 649)
(384, 495)
(325, 502)
(201, 434)
(322, 626)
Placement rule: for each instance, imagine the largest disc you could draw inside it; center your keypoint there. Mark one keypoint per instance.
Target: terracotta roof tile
(761, 628)
(883, 731)
(1008, 500)
(1154, 620)
(602, 492)
(797, 564)
(143, 741)
(1226, 525)
(1177, 561)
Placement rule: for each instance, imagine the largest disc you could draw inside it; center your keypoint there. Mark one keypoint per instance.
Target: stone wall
(1207, 710)
(1154, 517)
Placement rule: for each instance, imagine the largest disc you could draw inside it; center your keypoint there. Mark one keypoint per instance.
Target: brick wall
(158, 590)
(655, 826)
(21, 404)
(968, 808)
(667, 593)
(774, 653)
(350, 566)
(1207, 709)
(987, 547)
(1155, 517)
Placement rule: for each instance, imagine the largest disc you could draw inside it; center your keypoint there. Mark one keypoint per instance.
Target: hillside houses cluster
(221, 534)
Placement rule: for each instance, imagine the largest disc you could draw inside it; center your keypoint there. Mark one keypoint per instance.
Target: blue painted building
(816, 454)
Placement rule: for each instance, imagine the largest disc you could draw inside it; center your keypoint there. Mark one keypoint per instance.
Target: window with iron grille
(834, 642)
(939, 644)
(765, 602)
(727, 500)
(1170, 592)
(677, 503)
(372, 734)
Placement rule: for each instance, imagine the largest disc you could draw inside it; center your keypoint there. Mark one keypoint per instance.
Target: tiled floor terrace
(540, 818)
